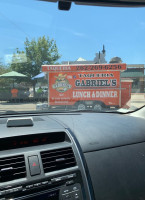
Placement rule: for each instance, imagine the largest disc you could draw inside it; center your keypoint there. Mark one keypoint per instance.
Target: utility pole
(99, 57)
(103, 51)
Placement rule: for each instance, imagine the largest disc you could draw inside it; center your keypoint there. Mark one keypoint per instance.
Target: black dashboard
(67, 156)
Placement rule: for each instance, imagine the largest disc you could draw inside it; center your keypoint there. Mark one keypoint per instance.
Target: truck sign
(80, 67)
(88, 86)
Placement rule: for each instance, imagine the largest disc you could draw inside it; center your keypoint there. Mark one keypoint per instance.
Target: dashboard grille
(12, 168)
(58, 159)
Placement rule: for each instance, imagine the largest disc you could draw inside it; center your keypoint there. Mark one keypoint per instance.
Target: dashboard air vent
(12, 168)
(58, 159)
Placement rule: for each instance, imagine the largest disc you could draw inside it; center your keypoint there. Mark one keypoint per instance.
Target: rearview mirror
(66, 4)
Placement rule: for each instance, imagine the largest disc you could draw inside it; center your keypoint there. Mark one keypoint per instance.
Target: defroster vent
(12, 168)
(58, 159)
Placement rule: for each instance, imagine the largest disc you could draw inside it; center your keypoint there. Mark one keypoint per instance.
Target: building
(99, 58)
(136, 73)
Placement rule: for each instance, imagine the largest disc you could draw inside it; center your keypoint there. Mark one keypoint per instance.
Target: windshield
(88, 58)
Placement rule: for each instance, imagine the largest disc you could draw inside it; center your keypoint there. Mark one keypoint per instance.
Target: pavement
(136, 101)
(17, 106)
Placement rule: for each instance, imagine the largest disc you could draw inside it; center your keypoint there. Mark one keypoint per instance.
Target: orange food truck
(81, 86)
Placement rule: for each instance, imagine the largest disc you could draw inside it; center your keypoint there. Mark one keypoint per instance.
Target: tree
(115, 60)
(36, 53)
(4, 69)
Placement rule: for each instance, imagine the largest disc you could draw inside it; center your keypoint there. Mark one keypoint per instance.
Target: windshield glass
(88, 58)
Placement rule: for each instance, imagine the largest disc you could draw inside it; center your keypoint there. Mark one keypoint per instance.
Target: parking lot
(17, 106)
(137, 100)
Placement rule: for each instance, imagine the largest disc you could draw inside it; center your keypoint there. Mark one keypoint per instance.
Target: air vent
(12, 168)
(58, 159)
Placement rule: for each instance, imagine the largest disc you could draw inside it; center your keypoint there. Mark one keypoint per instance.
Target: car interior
(80, 155)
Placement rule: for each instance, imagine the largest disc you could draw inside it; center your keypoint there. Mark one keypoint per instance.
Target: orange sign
(66, 88)
(92, 67)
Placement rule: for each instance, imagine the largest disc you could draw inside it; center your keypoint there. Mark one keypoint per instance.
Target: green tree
(3, 81)
(36, 53)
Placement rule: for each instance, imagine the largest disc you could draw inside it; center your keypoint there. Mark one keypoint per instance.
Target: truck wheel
(98, 107)
(81, 106)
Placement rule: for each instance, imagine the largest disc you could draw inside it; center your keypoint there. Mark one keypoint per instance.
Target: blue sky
(81, 32)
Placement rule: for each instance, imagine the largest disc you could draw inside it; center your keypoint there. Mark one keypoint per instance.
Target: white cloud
(79, 34)
(22, 58)
(73, 32)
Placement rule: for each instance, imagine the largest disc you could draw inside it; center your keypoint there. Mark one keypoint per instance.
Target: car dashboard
(67, 156)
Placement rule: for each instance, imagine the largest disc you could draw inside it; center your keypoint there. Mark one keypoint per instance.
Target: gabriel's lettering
(96, 83)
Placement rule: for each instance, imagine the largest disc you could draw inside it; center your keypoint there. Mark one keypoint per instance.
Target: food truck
(81, 86)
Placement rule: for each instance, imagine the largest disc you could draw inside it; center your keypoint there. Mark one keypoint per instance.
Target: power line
(18, 27)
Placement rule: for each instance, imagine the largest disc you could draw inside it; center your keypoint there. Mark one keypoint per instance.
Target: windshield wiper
(8, 112)
(119, 111)
(102, 111)
(86, 110)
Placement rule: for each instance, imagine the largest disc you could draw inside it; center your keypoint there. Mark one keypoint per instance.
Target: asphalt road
(17, 106)
(134, 104)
